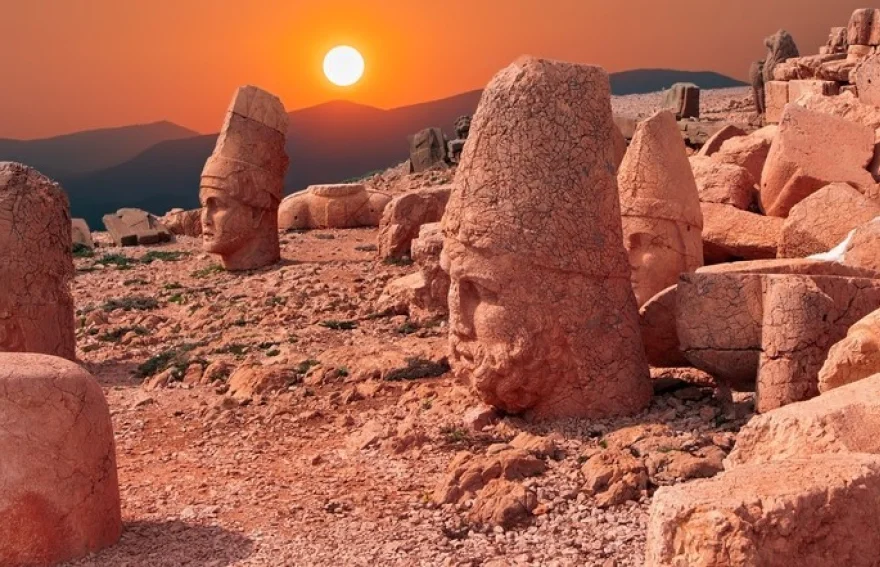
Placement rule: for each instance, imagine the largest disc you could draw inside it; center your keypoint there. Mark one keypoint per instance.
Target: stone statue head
(462, 126)
(654, 256)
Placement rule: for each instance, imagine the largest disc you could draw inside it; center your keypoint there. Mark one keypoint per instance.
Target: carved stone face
(499, 334)
(228, 225)
(656, 260)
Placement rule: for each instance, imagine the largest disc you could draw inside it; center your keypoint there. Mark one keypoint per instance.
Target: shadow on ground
(172, 543)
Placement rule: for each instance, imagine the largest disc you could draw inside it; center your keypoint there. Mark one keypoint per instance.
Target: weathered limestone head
(36, 264)
(780, 48)
(463, 126)
(660, 207)
(542, 316)
(243, 181)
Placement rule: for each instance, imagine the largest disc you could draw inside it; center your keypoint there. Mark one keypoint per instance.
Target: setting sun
(343, 65)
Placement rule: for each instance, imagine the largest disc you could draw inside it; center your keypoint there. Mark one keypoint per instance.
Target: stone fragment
(822, 220)
(806, 70)
(731, 234)
(855, 357)
(842, 420)
(867, 79)
(36, 264)
(776, 96)
(844, 106)
(405, 214)
(251, 380)
(718, 138)
(531, 244)
(80, 233)
(863, 248)
(613, 477)
(344, 205)
(468, 473)
(683, 100)
(756, 79)
(749, 151)
(838, 40)
(724, 183)
(857, 53)
(797, 166)
(659, 335)
(797, 89)
(803, 318)
(780, 48)
(838, 71)
(864, 27)
(811, 512)
(183, 223)
(669, 465)
(427, 149)
(660, 207)
(133, 227)
(503, 503)
(243, 181)
(59, 495)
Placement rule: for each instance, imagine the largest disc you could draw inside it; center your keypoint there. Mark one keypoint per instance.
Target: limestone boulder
(732, 234)
(714, 143)
(777, 95)
(135, 227)
(725, 183)
(405, 214)
(683, 100)
(80, 233)
(183, 223)
(807, 511)
(867, 78)
(614, 477)
(659, 334)
(824, 219)
(799, 88)
(749, 152)
(862, 250)
(59, 495)
(844, 106)
(503, 503)
(347, 205)
(36, 264)
(427, 149)
(801, 160)
(855, 357)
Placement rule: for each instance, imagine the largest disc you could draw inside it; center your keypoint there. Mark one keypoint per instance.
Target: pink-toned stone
(183, 223)
(344, 205)
(713, 144)
(845, 106)
(403, 216)
(810, 512)
(80, 233)
(659, 334)
(725, 183)
(855, 357)
(806, 69)
(864, 27)
(36, 264)
(776, 96)
(132, 227)
(843, 420)
(749, 151)
(824, 219)
(532, 243)
(803, 317)
(867, 79)
(243, 180)
(660, 207)
(857, 53)
(863, 249)
(812, 150)
(799, 88)
(503, 503)
(837, 71)
(59, 495)
(732, 234)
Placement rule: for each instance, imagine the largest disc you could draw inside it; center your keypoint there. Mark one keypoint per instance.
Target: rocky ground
(279, 418)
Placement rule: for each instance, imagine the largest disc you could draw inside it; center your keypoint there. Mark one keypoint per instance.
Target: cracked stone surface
(405, 214)
(243, 180)
(725, 183)
(855, 357)
(130, 227)
(659, 206)
(863, 249)
(36, 308)
(343, 205)
(59, 495)
(543, 320)
(801, 162)
(731, 234)
(812, 511)
(748, 151)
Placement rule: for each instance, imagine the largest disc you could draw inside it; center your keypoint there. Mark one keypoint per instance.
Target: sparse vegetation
(407, 328)
(177, 358)
(273, 352)
(339, 325)
(275, 300)
(455, 435)
(82, 251)
(403, 261)
(237, 349)
(116, 334)
(324, 236)
(417, 368)
(366, 248)
(172, 285)
(131, 303)
(306, 365)
(177, 298)
(380, 315)
(205, 272)
(135, 281)
(121, 261)
(164, 255)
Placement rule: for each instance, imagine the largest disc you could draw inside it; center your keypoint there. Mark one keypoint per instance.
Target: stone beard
(243, 235)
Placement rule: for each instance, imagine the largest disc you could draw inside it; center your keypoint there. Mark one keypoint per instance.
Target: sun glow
(343, 65)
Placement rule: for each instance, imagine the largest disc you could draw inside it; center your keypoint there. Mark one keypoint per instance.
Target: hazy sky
(69, 65)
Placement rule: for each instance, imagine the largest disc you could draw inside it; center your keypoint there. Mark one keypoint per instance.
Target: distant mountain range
(156, 167)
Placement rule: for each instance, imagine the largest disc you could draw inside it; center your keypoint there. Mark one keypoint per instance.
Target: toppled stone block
(344, 205)
(749, 151)
(724, 183)
(801, 161)
(714, 143)
(810, 512)
(427, 149)
(59, 498)
(732, 234)
(659, 335)
(854, 358)
(797, 89)
(777, 96)
(822, 220)
(134, 227)
(683, 99)
(405, 214)
(867, 79)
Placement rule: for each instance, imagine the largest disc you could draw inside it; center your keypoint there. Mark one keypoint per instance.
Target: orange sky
(75, 64)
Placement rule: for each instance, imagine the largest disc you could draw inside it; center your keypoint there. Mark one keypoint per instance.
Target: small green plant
(427, 403)
(603, 443)
(366, 248)
(121, 261)
(116, 334)
(403, 261)
(239, 323)
(82, 251)
(273, 352)
(455, 434)
(339, 325)
(164, 255)
(306, 365)
(131, 303)
(135, 281)
(172, 285)
(238, 349)
(343, 371)
(324, 236)
(177, 298)
(275, 300)
(417, 368)
(205, 272)
(177, 358)
(407, 328)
